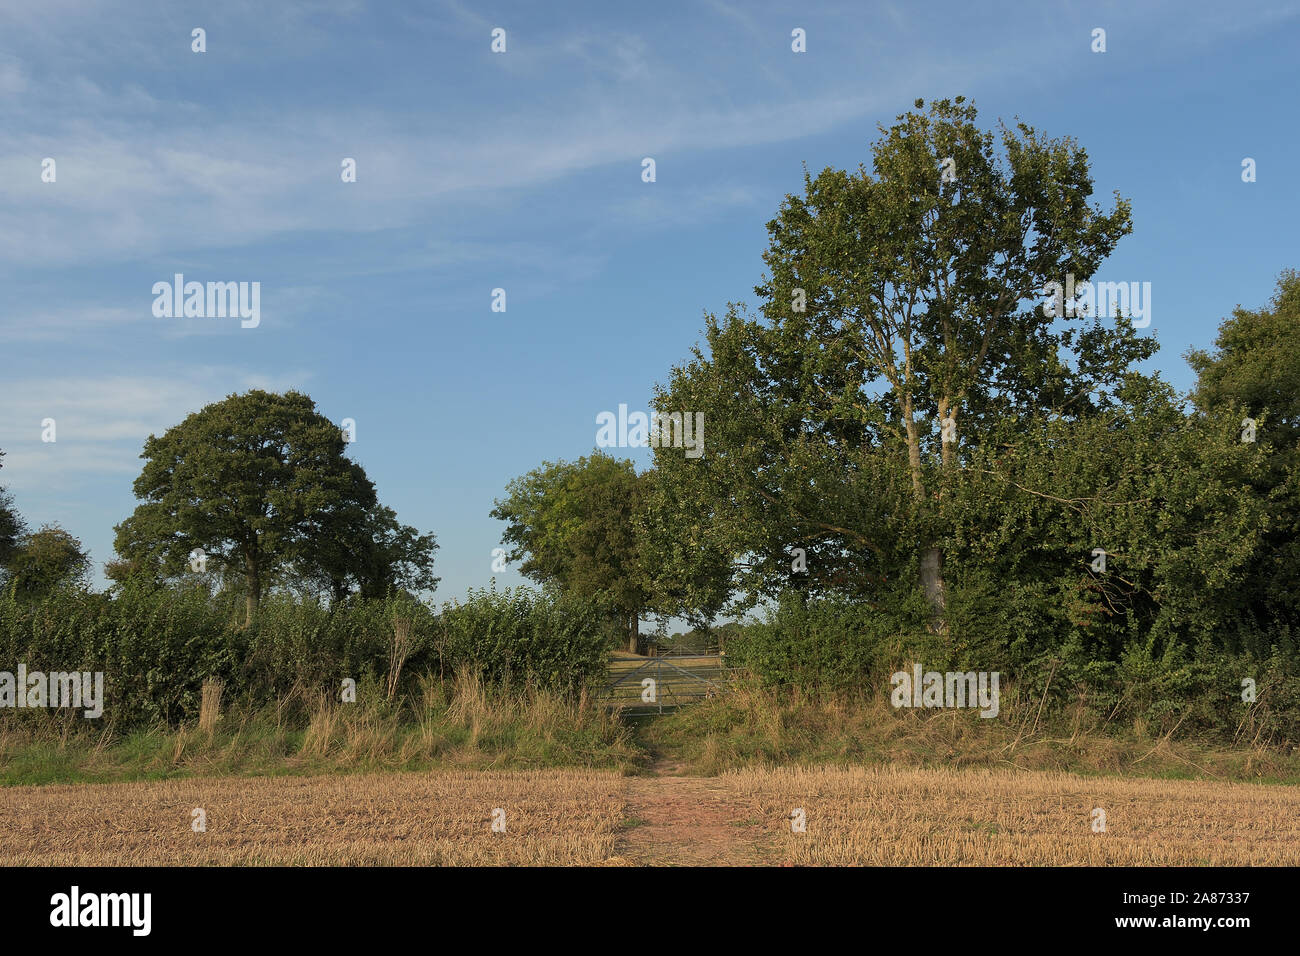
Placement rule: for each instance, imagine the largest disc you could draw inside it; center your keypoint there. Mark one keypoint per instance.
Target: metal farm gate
(657, 685)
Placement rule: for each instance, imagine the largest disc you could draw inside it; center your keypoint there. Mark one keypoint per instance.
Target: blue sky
(522, 171)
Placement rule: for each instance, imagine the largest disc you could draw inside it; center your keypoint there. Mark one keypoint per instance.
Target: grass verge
(452, 724)
(461, 724)
(754, 726)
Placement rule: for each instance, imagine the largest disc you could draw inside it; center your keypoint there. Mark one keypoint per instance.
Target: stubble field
(858, 816)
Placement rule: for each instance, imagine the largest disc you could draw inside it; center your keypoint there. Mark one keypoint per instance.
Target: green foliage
(157, 646)
(367, 552)
(1256, 363)
(552, 639)
(1254, 372)
(687, 575)
(45, 560)
(896, 299)
(305, 644)
(1167, 498)
(155, 649)
(1164, 635)
(259, 482)
(575, 526)
(832, 645)
(246, 479)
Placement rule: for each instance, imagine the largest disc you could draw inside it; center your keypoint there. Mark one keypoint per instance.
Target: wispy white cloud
(119, 197)
(57, 325)
(101, 423)
(143, 171)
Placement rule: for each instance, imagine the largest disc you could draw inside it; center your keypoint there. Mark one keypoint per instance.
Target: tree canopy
(1252, 378)
(260, 485)
(902, 325)
(574, 525)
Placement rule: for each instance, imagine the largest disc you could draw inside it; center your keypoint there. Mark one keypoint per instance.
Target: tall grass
(758, 725)
(460, 721)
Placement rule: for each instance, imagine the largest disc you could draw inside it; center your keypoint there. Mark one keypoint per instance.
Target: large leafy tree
(1253, 373)
(398, 557)
(257, 481)
(687, 574)
(574, 524)
(898, 298)
(1255, 364)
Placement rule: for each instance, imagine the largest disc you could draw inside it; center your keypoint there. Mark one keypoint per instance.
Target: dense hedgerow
(835, 645)
(157, 646)
(554, 640)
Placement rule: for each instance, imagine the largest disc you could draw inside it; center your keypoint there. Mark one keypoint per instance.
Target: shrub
(157, 647)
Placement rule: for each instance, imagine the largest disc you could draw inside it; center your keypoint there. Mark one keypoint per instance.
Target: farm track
(691, 821)
(873, 816)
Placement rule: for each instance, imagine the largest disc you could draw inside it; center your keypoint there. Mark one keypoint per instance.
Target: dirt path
(691, 821)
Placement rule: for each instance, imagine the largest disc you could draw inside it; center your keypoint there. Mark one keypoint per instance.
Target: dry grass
(444, 819)
(452, 724)
(893, 817)
(883, 816)
(752, 726)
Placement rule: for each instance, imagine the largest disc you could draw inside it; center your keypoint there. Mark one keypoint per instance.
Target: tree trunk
(913, 450)
(634, 635)
(931, 556)
(253, 581)
(932, 583)
(339, 592)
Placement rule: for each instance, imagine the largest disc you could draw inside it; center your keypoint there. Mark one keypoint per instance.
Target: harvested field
(857, 816)
(444, 819)
(1008, 818)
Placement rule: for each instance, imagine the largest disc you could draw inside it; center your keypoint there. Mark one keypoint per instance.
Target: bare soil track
(691, 821)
